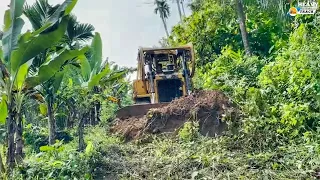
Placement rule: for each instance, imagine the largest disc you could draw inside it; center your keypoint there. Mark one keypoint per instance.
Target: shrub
(54, 161)
(36, 136)
(279, 98)
(189, 131)
(101, 158)
(290, 86)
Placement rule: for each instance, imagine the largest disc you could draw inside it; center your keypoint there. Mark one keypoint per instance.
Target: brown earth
(206, 107)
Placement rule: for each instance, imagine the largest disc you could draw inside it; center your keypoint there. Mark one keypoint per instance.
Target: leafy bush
(108, 158)
(189, 131)
(279, 98)
(208, 31)
(231, 69)
(36, 136)
(103, 157)
(236, 76)
(214, 25)
(290, 85)
(59, 160)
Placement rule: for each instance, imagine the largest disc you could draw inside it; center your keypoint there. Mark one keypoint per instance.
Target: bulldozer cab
(164, 74)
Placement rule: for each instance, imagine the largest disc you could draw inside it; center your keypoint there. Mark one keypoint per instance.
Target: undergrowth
(187, 155)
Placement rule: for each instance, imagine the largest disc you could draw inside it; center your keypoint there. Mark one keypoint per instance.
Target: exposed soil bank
(206, 107)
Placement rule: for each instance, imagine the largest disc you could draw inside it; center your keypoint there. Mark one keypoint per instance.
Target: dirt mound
(206, 107)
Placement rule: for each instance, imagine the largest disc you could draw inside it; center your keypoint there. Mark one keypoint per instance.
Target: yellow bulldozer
(163, 74)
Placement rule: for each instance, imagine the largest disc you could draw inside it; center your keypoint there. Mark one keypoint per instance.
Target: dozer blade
(138, 110)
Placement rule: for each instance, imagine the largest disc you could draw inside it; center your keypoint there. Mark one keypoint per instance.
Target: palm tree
(179, 8)
(76, 33)
(182, 6)
(271, 5)
(242, 24)
(164, 11)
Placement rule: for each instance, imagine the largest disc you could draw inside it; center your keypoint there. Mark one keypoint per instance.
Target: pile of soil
(206, 107)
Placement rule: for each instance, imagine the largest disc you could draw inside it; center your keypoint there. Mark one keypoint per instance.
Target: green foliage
(85, 68)
(208, 31)
(48, 70)
(203, 158)
(267, 32)
(290, 85)
(94, 81)
(21, 75)
(63, 160)
(170, 158)
(78, 32)
(278, 97)
(108, 111)
(120, 89)
(13, 24)
(96, 58)
(189, 131)
(214, 25)
(3, 111)
(36, 137)
(32, 44)
(231, 67)
(55, 161)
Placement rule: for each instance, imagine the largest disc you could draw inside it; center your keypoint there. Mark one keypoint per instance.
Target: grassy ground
(167, 157)
(185, 155)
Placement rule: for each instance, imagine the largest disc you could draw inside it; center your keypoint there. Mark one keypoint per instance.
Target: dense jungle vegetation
(58, 95)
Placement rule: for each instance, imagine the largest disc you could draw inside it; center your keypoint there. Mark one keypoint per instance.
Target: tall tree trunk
(119, 103)
(179, 9)
(10, 138)
(80, 132)
(182, 6)
(92, 115)
(165, 26)
(72, 116)
(19, 140)
(97, 110)
(242, 24)
(2, 170)
(66, 123)
(51, 122)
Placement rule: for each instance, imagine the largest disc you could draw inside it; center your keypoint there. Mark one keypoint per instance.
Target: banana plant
(49, 87)
(19, 51)
(93, 73)
(76, 32)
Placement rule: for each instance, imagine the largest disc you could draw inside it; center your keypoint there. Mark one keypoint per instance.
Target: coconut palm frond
(83, 32)
(38, 13)
(79, 31)
(163, 8)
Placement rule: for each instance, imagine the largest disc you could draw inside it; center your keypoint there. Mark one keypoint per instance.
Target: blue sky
(124, 25)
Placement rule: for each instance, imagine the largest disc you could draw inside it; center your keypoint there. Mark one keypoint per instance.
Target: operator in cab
(146, 70)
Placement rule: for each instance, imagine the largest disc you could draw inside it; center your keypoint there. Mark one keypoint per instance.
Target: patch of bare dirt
(206, 107)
